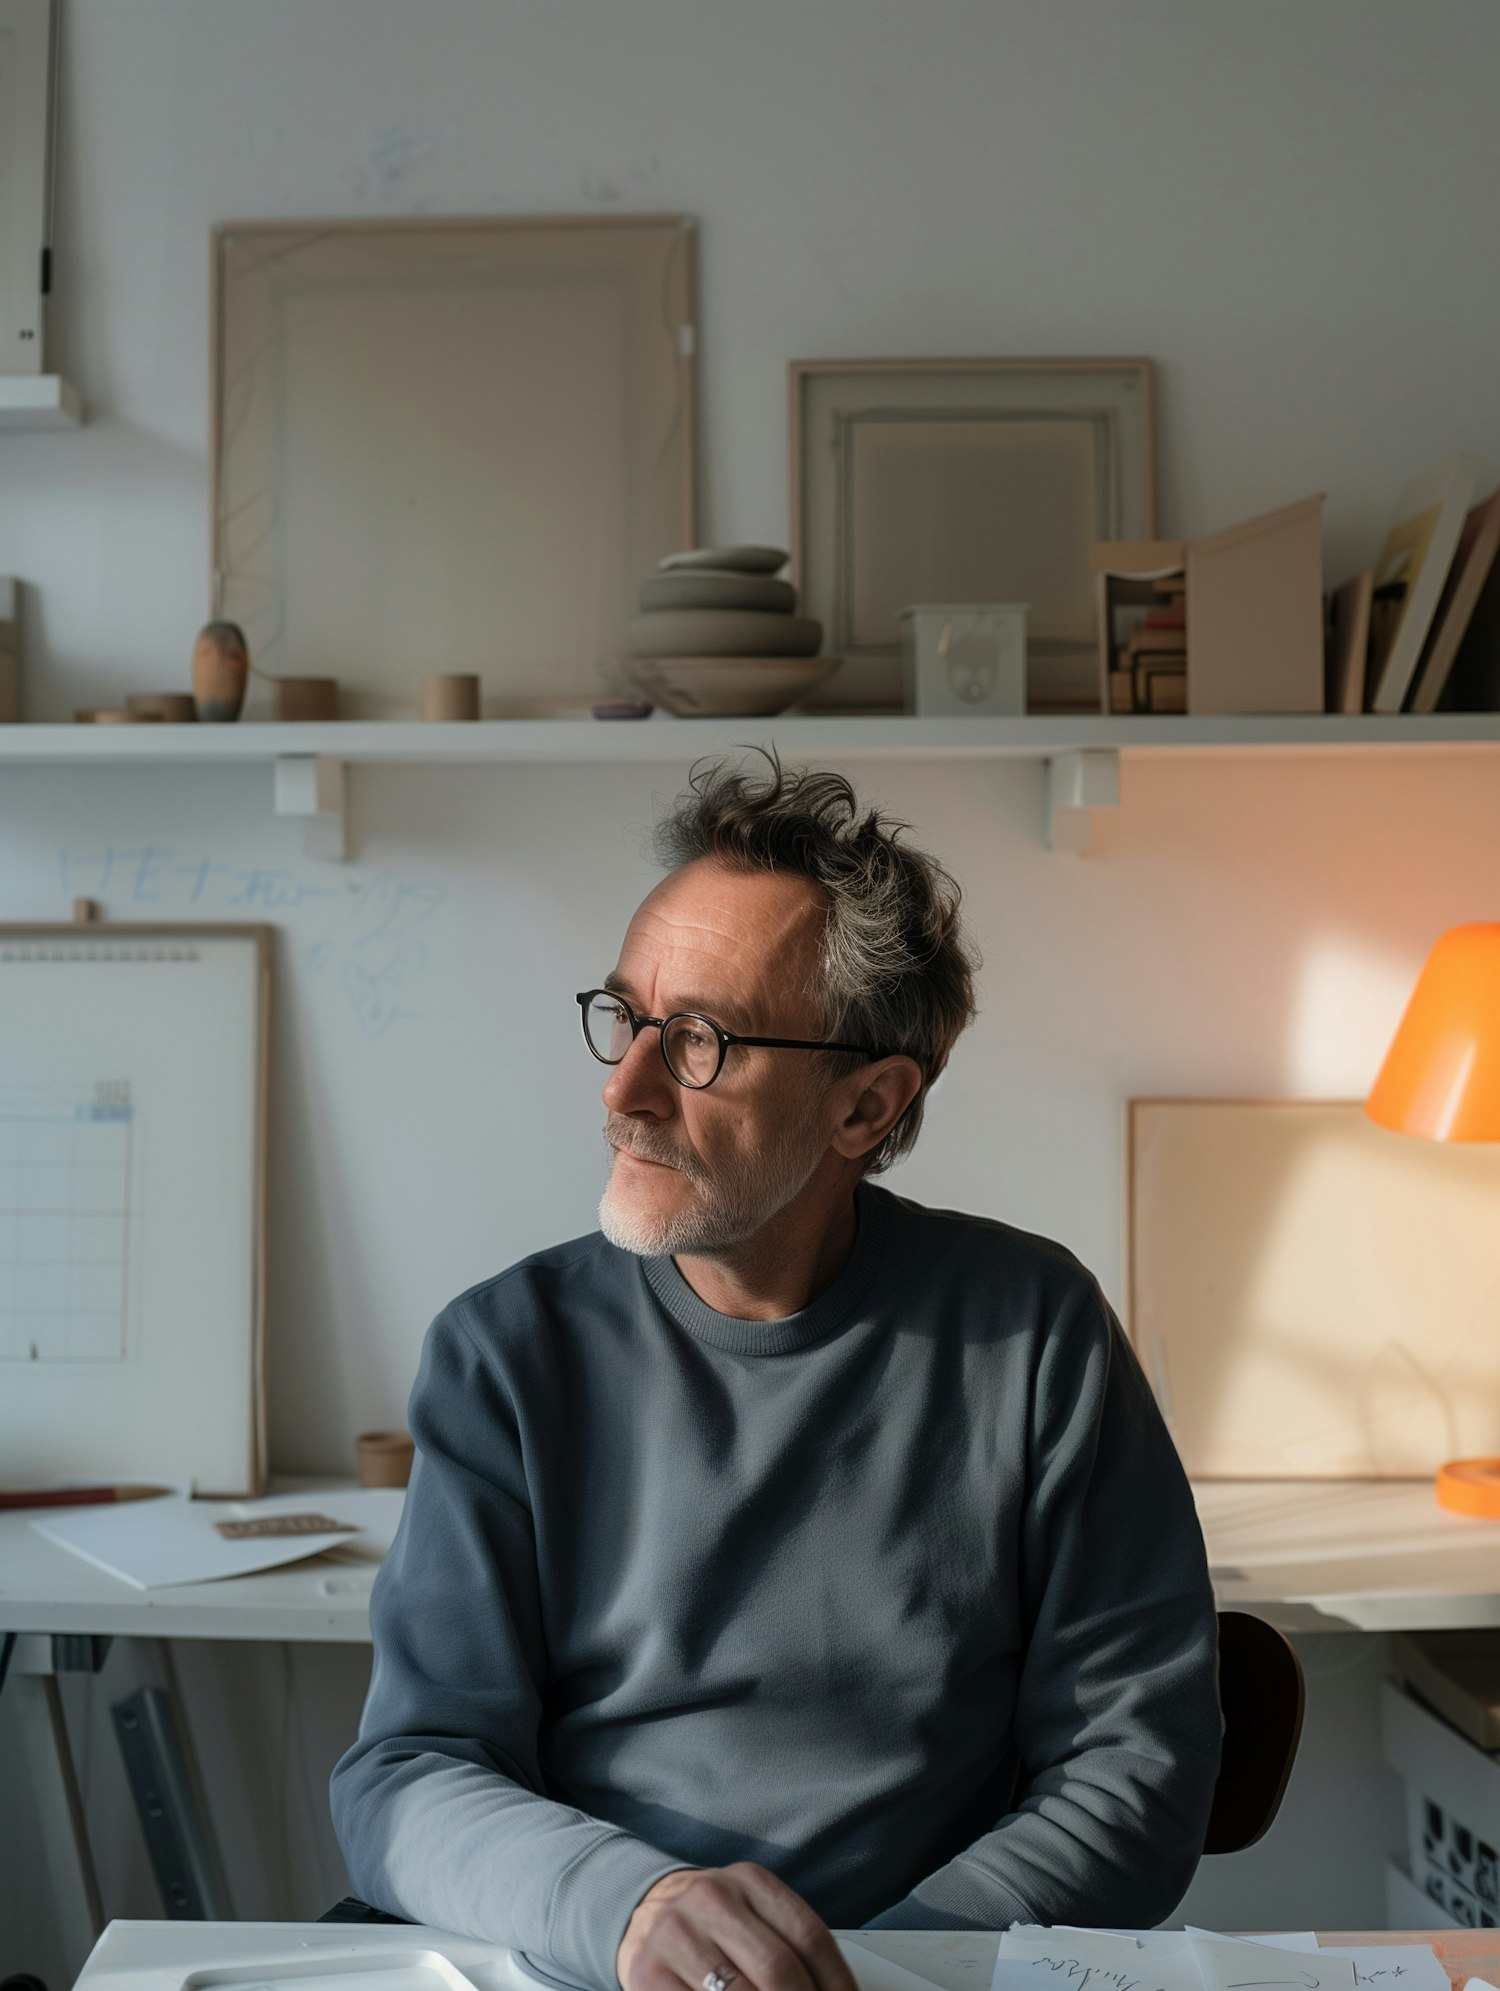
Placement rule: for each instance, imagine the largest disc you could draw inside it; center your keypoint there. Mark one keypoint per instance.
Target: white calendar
(132, 1158)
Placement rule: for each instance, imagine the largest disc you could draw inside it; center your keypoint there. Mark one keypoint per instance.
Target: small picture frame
(983, 480)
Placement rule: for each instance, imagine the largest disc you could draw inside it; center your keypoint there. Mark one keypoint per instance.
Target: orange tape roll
(1470, 1486)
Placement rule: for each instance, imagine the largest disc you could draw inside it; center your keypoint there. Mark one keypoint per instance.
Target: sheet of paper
(1027, 1944)
(1227, 1965)
(1394, 1966)
(878, 1973)
(1091, 1960)
(154, 1543)
(1302, 1939)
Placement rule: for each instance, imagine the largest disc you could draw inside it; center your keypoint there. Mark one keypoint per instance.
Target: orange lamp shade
(1441, 1076)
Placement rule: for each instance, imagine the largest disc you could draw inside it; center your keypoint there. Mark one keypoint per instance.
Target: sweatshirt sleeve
(439, 1806)
(1117, 1719)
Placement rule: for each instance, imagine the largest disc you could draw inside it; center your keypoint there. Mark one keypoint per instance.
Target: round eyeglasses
(694, 1047)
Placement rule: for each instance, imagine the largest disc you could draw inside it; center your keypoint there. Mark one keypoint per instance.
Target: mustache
(625, 1135)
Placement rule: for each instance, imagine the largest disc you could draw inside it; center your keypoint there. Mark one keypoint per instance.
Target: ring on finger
(719, 1980)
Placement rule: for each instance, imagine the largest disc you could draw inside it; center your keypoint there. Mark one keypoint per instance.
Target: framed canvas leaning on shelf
(1468, 591)
(983, 480)
(1411, 570)
(1311, 1298)
(449, 445)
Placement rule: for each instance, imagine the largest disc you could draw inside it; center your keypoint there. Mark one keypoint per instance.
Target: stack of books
(1228, 623)
(1141, 587)
(1150, 671)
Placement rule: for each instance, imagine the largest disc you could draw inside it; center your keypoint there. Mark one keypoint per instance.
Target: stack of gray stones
(721, 601)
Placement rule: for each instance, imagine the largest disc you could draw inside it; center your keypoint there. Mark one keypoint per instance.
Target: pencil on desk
(79, 1496)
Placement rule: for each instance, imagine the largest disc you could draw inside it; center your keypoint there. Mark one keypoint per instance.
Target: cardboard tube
(384, 1457)
(446, 695)
(305, 697)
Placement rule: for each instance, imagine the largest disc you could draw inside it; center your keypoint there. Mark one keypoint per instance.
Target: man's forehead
(726, 930)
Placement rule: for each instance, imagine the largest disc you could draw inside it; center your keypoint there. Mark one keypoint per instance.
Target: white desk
(1362, 1555)
(46, 1588)
(1366, 1556)
(158, 1956)
(49, 1595)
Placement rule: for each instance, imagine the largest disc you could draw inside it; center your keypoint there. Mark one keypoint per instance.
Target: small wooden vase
(221, 671)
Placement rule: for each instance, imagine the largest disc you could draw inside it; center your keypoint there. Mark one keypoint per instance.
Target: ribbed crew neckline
(820, 1317)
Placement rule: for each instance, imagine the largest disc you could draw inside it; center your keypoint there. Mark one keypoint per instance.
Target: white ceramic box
(962, 657)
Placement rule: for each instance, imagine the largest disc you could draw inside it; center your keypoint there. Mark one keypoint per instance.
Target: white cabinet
(27, 92)
(30, 397)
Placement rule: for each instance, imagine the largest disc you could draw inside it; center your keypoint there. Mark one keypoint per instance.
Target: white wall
(1288, 204)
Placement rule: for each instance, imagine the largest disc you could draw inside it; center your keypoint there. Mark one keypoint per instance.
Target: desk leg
(52, 1782)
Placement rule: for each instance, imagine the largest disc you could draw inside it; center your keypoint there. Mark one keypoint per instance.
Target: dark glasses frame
(725, 1038)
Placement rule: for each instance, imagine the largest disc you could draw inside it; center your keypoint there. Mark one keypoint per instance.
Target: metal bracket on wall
(313, 786)
(1079, 782)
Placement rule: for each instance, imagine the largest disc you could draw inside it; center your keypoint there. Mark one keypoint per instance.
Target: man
(784, 1555)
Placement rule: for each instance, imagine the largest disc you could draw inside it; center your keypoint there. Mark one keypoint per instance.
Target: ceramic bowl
(728, 687)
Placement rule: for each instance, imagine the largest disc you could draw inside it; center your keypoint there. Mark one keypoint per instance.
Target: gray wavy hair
(895, 967)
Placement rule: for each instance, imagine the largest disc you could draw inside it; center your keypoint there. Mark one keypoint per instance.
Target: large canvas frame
(449, 445)
(978, 480)
(1312, 1297)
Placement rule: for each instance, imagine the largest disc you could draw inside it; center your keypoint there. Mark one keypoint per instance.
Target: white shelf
(1081, 756)
(661, 738)
(38, 401)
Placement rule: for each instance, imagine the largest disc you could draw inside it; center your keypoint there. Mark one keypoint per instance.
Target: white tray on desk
(215, 1956)
(322, 1956)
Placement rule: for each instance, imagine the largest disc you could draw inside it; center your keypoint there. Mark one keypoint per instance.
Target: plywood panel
(1311, 1295)
(449, 446)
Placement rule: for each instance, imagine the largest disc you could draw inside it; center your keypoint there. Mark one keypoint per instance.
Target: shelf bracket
(1078, 782)
(312, 786)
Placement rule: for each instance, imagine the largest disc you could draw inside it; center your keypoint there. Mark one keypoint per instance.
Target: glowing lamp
(1441, 1081)
(1441, 1076)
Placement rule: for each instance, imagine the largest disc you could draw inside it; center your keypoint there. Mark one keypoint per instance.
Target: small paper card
(878, 1973)
(1228, 1965)
(1394, 1966)
(1085, 1960)
(267, 1526)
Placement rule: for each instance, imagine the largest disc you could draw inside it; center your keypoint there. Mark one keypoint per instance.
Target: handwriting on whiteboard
(372, 934)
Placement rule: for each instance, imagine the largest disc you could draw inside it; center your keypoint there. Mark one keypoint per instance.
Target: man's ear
(877, 1097)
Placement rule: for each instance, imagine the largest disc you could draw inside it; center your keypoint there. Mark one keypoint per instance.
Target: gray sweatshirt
(903, 1597)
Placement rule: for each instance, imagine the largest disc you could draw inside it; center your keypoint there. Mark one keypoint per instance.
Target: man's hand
(738, 1923)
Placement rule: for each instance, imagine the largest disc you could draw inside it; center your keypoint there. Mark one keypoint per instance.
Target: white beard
(727, 1208)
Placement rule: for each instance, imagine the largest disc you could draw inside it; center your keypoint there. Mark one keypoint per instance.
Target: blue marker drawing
(374, 931)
